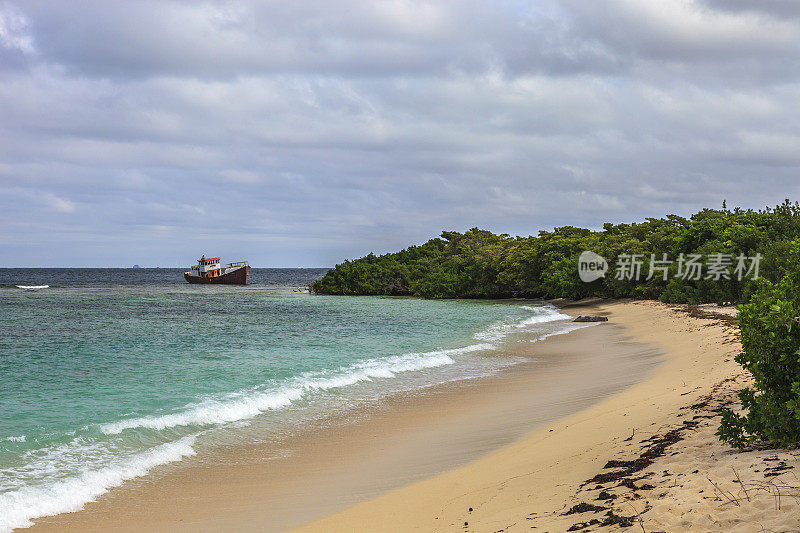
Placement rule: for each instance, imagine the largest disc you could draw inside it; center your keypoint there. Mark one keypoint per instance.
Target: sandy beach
(318, 266)
(646, 459)
(506, 453)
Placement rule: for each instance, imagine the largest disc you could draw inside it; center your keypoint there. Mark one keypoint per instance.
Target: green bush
(480, 264)
(770, 327)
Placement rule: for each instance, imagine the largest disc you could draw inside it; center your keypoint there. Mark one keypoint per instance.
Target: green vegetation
(480, 264)
(770, 326)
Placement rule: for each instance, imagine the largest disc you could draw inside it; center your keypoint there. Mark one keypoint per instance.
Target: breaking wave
(87, 468)
(248, 404)
(542, 315)
(19, 506)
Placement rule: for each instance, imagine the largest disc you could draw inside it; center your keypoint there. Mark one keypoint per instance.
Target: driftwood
(591, 319)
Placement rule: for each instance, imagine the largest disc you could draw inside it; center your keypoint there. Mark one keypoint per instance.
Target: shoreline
(646, 459)
(629, 443)
(389, 445)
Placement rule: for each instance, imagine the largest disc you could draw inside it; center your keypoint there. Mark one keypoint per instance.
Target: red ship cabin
(207, 267)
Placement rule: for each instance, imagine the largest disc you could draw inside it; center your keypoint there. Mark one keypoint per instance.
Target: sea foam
(248, 404)
(18, 507)
(542, 315)
(20, 504)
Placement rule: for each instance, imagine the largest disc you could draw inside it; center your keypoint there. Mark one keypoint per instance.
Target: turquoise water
(103, 380)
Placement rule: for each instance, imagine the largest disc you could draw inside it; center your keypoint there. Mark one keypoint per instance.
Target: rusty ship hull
(237, 276)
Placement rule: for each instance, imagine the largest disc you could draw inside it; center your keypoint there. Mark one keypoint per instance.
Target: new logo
(591, 266)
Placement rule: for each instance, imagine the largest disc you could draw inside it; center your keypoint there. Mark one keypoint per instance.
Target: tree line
(481, 264)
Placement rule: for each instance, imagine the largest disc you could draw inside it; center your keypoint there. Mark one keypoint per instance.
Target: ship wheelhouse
(207, 267)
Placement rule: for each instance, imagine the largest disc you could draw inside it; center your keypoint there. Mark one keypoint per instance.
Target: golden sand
(698, 484)
(516, 449)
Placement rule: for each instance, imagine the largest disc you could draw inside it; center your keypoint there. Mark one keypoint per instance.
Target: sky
(304, 133)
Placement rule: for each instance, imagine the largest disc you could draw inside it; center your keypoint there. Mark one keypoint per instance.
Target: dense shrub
(480, 264)
(770, 327)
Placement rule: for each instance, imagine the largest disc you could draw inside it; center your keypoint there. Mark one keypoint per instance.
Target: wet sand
(382, 450)
(646, 459)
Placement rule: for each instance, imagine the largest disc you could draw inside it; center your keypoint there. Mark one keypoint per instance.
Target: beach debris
(611, 519)
(615, 519)
(636, 478)
(776, 470)
(656, 448)
(584, 507)
(589, 318)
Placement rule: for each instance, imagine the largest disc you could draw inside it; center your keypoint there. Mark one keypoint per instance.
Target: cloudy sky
(302, 133)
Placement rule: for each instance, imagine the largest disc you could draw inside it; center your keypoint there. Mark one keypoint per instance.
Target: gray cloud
(780, 9)
(304, 133)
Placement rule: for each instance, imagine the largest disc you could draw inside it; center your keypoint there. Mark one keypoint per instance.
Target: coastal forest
(481, 264)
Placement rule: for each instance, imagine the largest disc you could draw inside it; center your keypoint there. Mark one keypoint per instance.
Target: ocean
(106, 374)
